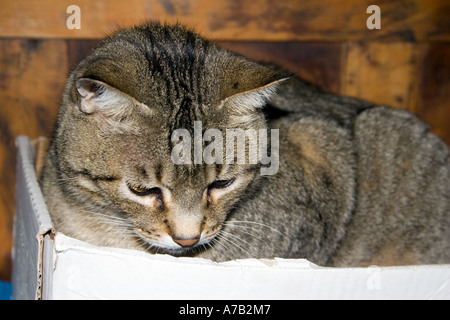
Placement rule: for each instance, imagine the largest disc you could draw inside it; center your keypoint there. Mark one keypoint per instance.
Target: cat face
(171, 150)
(175, 207)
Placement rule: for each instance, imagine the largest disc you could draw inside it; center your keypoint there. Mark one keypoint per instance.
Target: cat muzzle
(186, 242)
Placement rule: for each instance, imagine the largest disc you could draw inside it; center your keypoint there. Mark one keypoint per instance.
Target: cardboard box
(50, 265)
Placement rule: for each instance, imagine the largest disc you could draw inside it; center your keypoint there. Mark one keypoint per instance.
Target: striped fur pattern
(357, 184)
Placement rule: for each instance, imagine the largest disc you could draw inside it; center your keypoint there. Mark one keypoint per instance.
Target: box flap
(85, 271)
(26, 163)
(31, 223)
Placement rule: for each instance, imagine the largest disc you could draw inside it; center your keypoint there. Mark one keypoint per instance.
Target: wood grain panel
(78, 50)
(433, 104)
(32, 75)
(381, 72)
(257, 20)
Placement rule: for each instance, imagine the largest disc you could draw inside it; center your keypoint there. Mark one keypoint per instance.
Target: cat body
(355, 184)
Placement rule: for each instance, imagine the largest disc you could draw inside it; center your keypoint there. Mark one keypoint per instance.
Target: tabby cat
(353, 184)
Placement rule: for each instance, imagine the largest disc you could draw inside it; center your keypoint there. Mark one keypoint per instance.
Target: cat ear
(99, 96)
(110, 106)
(249, 85)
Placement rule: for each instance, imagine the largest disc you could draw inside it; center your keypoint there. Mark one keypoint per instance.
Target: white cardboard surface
(86, 271)
(50, 265)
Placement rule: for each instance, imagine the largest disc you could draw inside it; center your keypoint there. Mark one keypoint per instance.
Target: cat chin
(177, 252)
(165, 245)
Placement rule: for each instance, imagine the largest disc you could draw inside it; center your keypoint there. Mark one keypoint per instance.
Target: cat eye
(220, 184)
(140, 191)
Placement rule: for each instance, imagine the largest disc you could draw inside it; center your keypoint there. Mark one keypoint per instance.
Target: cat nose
(186, 242)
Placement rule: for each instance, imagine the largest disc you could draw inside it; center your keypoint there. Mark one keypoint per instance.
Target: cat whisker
(147, 246)
(65, 179)
(246, 242)
(257, 237)
(237, 223)
(117, 229)
(250, 228)
(113, 224)
(108, 216)
(120, 227)
(225, 236)
(222, 245)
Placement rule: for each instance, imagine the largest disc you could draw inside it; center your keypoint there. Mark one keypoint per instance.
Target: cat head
(144, 130)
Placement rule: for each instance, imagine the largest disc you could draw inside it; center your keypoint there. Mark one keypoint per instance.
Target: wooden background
(405, 64)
